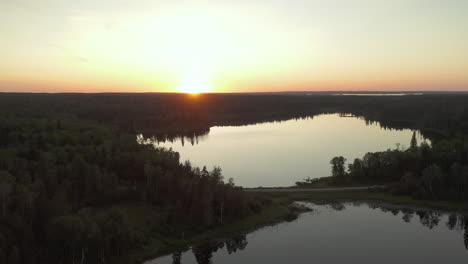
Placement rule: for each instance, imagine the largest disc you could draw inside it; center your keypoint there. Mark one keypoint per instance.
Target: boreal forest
(77, 187)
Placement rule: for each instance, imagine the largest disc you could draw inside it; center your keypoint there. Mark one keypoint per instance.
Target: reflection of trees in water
(337, 206)
(236, 243)
(465, 238)
(452, 221)
(177, 257)
(464, 221)
(204, 251)
(193, 133)
(392, 210)
(407, 215)
(427, 218)
(191, 136)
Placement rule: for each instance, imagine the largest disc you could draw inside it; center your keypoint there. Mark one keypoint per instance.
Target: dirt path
(306, 190)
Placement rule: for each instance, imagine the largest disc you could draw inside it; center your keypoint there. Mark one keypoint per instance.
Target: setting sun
(194, 82)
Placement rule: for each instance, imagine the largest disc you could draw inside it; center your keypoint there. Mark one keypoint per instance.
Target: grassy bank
(355, 195)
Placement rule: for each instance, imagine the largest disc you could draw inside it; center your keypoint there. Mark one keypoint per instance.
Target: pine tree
(414, 142)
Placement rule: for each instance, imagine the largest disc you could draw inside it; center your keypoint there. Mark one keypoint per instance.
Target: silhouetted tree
(414, 142)
(338, 166)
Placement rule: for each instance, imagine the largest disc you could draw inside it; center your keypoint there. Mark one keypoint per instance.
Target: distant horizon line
(265, 92)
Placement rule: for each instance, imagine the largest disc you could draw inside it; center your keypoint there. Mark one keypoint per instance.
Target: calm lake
(343, 233)
(282, 153)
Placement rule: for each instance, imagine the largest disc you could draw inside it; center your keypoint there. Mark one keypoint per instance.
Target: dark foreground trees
(65, 190)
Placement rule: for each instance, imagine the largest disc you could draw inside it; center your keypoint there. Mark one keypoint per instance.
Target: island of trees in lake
(75, 186)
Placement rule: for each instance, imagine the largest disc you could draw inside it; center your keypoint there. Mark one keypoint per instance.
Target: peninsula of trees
(437, 172)
(67, 187)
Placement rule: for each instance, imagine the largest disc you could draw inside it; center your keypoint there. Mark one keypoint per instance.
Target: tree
(216, 175)
(414, 142)
(338, 166)
(6, 187)
(116, 231)
(408, 182)
(429, 175)
(356, 169)
(25, 200)
(456, 176)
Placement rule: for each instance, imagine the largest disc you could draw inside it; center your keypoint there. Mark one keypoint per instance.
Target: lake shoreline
(367, 195)
(258, 155)
(281, 211)
(273, 214)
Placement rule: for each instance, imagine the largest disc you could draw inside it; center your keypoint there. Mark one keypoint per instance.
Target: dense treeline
(64, 187)
(437, 116)
(66, 182)
(435, 172)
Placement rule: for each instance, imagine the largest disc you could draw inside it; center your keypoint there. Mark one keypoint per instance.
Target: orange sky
(233, 46)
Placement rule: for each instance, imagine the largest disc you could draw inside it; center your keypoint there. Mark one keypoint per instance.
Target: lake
(282, 153)
(343, 233)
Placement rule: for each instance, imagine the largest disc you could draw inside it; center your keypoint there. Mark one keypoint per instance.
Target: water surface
(282, 153)
(343, 233)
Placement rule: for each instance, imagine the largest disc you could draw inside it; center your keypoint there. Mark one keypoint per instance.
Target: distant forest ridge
(437, 115)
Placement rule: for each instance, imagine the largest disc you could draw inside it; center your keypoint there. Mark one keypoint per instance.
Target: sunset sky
(233, 46)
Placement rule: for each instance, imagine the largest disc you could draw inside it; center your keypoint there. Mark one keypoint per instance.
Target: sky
(233, 46)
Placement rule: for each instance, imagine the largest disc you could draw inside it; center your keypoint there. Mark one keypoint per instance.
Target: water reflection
(343, 231)
(192, 137)
(430, 219)
(282, 153)
(203, 252)
(177, 257)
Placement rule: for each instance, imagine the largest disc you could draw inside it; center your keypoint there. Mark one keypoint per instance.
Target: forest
(71, 169)
(437, 116)
(64, 187)
(436, 172)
